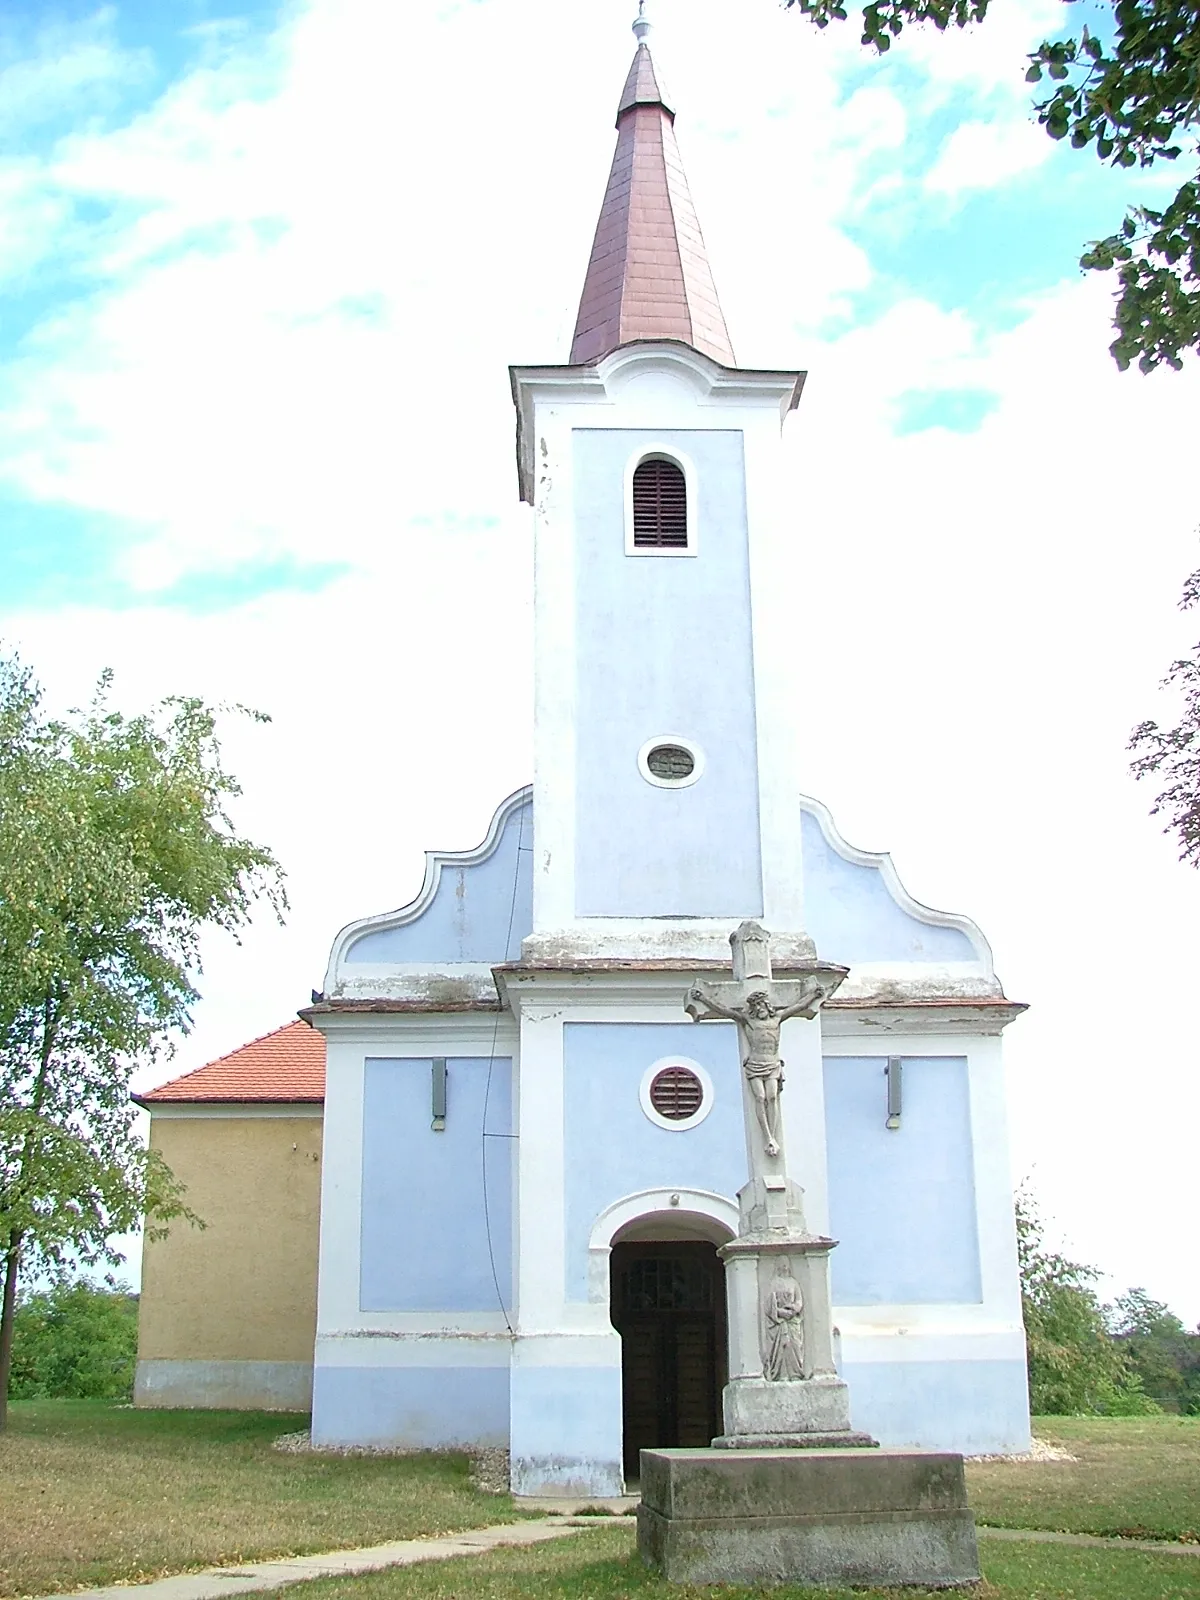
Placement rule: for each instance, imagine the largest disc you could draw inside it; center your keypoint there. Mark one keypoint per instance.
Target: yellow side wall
(245, 1287)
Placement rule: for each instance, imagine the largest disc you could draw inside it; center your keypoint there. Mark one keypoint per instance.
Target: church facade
(531, 1154)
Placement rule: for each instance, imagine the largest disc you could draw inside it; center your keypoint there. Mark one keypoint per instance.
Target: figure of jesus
(759, 1023)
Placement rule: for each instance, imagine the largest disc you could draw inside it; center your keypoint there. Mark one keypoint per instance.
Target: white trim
(676, 1124)
(679, 1203)
(595, 386)
(674, 1202)
(435, 860)
(539, 1212)
(671, 453)
(684, 743)
(420, 1033)
(883, 864)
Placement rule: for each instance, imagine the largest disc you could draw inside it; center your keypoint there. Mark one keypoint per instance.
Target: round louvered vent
(671, 762)
(676, 1093)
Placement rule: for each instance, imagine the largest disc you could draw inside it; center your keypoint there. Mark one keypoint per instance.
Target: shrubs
(1075, 1366)
(75, 1342)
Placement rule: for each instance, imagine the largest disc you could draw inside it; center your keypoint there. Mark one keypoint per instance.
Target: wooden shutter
(659, 506)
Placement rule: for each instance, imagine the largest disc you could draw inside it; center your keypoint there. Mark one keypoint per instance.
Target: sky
(263, 268)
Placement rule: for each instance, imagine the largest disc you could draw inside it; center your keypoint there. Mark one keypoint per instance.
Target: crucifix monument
(790, 1493)
(783, 1387)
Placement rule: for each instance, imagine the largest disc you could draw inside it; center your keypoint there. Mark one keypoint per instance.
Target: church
(509, 1194)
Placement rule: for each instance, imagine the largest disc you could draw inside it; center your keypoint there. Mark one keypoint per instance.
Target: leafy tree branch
(1172, 755)
(1130, 92)
(116, 852)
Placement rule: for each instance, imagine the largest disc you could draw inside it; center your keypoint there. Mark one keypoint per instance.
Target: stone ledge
(931, 1550)
(795, 1441)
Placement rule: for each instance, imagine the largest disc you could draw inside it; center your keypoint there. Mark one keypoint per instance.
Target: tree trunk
(8, 1313)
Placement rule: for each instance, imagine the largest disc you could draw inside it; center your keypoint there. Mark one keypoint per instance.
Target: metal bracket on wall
(894, 1073)
(439, 1095)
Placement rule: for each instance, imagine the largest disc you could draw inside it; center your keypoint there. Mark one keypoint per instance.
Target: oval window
(670, 763)
(676, 1093)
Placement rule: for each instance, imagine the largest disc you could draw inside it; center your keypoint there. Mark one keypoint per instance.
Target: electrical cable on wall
(522, 849)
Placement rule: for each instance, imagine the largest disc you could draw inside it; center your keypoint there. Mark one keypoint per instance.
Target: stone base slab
(761, 1406)
(864, 1518)
(795, 1441)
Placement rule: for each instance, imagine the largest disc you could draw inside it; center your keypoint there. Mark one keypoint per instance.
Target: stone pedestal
(866, 1518)
(810, 1407)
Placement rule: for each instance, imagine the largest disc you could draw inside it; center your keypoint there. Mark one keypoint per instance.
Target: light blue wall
(424, 1234)
(902, 1201)
(428, 1407)
(852, 916)
(976, 1407)
(612, 1147)
(566, 1431)
(468, 918)
(664, 647)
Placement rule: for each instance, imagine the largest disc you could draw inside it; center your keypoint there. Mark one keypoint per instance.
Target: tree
(1160, 1350)
(75, 1341)
(1075, 1367)
(1173, 754)
(1131, 94)
(116, 851)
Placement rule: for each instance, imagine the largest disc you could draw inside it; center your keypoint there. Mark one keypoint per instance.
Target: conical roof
(648, 276)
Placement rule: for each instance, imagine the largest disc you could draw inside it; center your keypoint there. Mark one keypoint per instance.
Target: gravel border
(489, 1463)
(1039, 1450)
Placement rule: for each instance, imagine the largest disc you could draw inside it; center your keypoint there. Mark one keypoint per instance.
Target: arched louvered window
(660, 509)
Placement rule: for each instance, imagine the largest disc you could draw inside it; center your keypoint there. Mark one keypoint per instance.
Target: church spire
(648, 276)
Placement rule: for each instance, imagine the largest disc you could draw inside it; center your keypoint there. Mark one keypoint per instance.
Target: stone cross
(760, 1005)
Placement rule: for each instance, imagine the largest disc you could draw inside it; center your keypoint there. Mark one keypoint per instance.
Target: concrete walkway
(1160, 1547)
(214, 1582)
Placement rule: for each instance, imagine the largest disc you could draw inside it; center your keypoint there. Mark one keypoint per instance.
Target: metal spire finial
(641, 26)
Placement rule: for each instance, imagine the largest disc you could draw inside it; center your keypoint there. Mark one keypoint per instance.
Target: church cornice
(599, 385)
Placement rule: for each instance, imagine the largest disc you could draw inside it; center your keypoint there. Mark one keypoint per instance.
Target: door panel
(668, 1305)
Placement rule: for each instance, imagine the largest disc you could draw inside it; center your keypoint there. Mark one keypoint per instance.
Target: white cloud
(981, 155)
(326, 248)
(63, 68)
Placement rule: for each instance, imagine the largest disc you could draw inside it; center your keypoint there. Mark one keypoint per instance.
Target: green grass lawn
(603, 1566)
(1135, 1476)
(92, 1493)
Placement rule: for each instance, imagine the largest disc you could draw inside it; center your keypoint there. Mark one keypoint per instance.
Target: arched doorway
(667, 1299)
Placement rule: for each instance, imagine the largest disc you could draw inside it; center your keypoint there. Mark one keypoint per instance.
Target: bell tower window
(660, 508)
(660, 502)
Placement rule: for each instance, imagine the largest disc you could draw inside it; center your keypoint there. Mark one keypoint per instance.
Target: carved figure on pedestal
(759, 1023)
(783, 1355)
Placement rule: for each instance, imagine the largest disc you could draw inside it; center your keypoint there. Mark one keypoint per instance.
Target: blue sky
(262, 271)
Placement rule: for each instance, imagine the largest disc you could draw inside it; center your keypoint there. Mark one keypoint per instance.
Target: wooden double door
(668, 1305)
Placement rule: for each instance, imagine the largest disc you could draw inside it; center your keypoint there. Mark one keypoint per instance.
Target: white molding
(877, 1022)
(435, 861)
(422, 1033)
(676, 1124)
(597, 386)
(656, 451)
(684, 743)
(882, 862)
(677, 1202)
(539, 1212)
(416, 980)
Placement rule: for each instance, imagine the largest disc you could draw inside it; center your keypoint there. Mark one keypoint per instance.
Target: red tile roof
(648, 276)
(287, 1065)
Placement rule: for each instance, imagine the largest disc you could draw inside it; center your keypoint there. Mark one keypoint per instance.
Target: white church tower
(664, 744)
(531, 1155)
